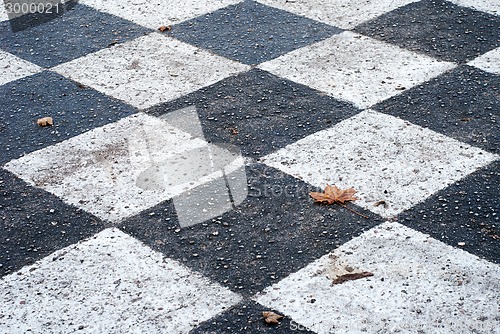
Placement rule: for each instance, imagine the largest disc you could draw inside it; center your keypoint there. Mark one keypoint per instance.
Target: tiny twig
(353, 211)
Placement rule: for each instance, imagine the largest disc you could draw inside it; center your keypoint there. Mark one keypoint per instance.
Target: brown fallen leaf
(334, 195)
(350, 277)
(165, 28)
(45, 121)
(381, 202)
(271, 317)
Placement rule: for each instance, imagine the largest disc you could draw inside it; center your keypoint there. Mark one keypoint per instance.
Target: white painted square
(488, 6)
(103, 171)
(356, 68)
(489, 61)
(149, 70)
(153, 14)
(13, 68)
(420, 285)
(383, 157)
(344, 14)
(3, 12)
(111, 283)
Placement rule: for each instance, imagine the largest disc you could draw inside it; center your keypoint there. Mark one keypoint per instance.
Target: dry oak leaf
(334, 195)
(271, 317)
(350, 277)
(45, 121)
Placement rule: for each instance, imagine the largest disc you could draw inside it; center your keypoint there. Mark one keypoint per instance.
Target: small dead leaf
(379, 203)
(271, 317)
(351, 277)
(466, 119)
(234, 131)
(45, 121)
(165, 28)
(334, 195)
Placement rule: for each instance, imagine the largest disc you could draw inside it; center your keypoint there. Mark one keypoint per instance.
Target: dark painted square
(74, 108)
(463, 104)
(467, 211)
(276, 231)
(246, 317)
(251, 32)
(78, 32)
(35, 223)
(437, 28)
(259, 112)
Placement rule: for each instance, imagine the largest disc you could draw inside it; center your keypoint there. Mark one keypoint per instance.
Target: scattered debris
(350, 277)
(379, 203)
(165, 28)
(461, 244)
(466, 119)
(113, 42)
(400, 88)
(334, 195)
(234, 131)
(45, 121)
(271, 317)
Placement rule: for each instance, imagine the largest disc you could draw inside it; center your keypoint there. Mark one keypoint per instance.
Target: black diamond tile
(251, 33)
(277, 230)
(78, 32)
(467, 211)
(34, 223)
(259, 112)
(463, 104)
(246, 317)
(437, 28)
(74, 108)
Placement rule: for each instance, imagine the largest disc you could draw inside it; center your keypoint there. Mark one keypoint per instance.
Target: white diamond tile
(381, 156)
(356, 68)
(153, 14)
(488, 6)
(149, 70)
(344, 14)
(419, 285)
(3, 12)
(111, 283)
(103, 171)
(489, 61)
(13, 68)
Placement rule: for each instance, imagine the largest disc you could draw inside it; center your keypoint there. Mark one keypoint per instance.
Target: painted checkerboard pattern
(398, 99)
